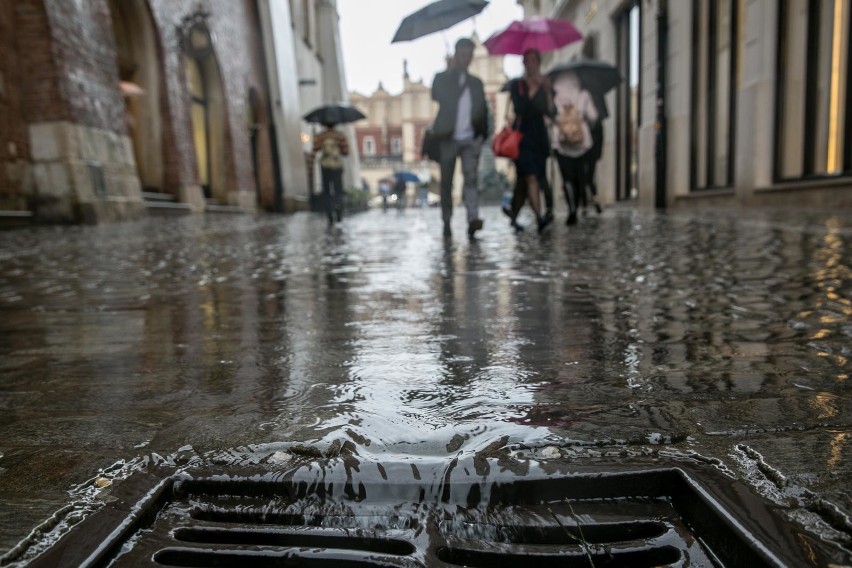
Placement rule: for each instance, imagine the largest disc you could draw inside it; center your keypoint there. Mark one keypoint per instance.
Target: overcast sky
(367, 27)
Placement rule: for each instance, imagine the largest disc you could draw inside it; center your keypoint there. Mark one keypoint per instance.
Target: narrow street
(718, 337)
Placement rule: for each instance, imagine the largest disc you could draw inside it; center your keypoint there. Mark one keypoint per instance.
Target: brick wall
(234, 29)
(14, 149)
(68, 51)
(84, 48)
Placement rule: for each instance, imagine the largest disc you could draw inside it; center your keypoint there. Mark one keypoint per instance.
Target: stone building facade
(725, 102)
(111, 107)
(391, 136)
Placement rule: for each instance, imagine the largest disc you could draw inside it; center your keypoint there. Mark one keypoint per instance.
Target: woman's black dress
(535, 144)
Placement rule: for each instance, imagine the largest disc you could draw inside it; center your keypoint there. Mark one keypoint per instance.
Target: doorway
(140, 84)
(207, 112)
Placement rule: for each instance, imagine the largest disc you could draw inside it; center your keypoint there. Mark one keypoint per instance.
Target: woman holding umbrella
(596, 78)
(572, 138)
(532, 99)
(532, 95)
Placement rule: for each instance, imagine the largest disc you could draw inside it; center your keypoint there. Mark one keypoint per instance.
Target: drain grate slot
(665, 556)
(189, 557)
(284, 538)
(566, 533)
(266, 516)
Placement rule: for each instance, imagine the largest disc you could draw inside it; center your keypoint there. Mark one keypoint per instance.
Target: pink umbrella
(543, 34)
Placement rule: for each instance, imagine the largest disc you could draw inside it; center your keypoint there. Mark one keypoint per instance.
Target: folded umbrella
(543, 34)
(334, 114)
(436, 17)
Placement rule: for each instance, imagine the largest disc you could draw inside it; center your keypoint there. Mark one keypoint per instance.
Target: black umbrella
(334, 114)
(596, 77)
(437, 16)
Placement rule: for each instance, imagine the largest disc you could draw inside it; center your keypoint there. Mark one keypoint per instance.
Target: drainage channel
(315, 516)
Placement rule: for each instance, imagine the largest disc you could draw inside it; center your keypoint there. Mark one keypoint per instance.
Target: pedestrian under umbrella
(334, 114)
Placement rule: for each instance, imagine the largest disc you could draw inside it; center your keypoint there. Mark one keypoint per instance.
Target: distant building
(390, 138)
(752, 104)
(112, 108)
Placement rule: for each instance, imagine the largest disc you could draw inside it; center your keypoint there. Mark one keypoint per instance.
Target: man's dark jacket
(446, 91)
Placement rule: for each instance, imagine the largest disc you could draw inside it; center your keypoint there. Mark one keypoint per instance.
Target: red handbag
(507, 143)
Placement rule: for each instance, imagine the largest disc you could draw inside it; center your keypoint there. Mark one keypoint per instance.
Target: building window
(396, 146)
(369, 146)
(715, 65)
(813, 120)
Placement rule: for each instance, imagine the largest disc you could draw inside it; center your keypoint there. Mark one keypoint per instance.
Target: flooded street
(714, 336)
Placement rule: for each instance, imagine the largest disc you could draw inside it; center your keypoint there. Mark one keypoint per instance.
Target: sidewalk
(719, 337)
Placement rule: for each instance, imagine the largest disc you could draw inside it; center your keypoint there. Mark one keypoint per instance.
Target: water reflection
(227, 333)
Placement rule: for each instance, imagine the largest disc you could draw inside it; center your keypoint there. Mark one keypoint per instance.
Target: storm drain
(654, 517)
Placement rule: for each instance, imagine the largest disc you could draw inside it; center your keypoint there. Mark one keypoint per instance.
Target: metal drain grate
(652, 517)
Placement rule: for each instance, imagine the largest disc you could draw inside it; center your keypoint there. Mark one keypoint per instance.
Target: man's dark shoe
(543, 222)
(598, 207)
(448, 232)
(572, 219)
(474, 226)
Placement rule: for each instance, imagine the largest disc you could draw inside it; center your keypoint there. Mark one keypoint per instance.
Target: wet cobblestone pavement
(719, 337)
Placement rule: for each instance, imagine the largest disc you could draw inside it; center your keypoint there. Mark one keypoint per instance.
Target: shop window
(715, 66)
(813, 94)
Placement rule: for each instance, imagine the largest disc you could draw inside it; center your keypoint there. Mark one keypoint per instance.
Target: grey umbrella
(437, 16)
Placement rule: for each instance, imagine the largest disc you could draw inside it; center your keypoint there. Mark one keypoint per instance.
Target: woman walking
(572, 138)
(532, 100)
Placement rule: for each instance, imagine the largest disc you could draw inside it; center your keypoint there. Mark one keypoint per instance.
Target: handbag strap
(516, 124)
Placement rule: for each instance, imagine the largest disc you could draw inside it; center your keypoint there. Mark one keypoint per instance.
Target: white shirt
(464, 124)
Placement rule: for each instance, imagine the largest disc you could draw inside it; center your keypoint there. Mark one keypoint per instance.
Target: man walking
(462, 126)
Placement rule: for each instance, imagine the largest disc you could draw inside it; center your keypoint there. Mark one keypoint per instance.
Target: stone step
(217, 208)
(158, 197)
(10, 219)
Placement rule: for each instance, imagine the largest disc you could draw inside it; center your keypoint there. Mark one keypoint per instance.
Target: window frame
(810, 170)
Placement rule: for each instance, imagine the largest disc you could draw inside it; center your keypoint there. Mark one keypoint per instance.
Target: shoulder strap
(520, 85)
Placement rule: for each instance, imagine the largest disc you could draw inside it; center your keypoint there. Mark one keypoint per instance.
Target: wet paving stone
(719, 337)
